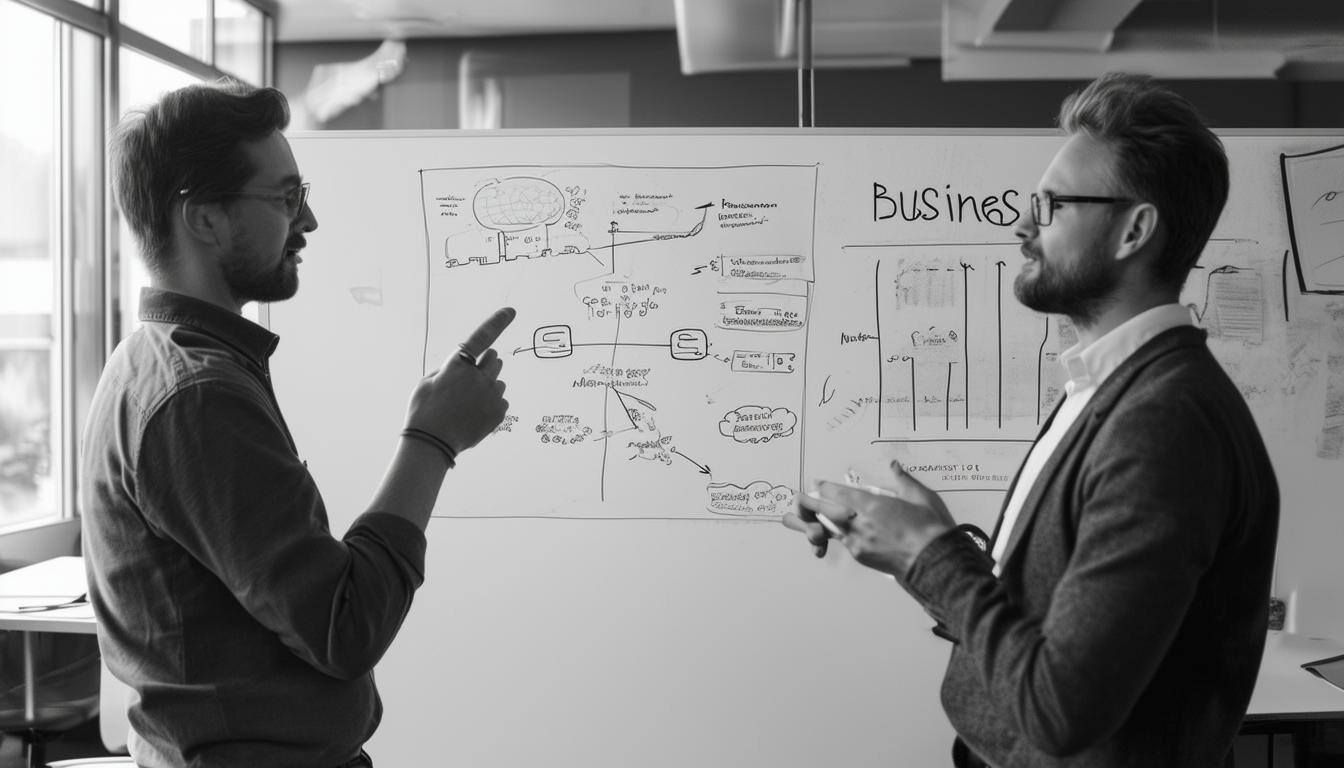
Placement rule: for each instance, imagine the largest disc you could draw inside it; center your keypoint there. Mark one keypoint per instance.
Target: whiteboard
(705, 321)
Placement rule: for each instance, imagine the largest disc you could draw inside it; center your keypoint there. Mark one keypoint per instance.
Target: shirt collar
(1089, 366)
(235, 330)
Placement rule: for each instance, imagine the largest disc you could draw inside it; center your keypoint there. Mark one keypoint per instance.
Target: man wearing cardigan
(1119, 614)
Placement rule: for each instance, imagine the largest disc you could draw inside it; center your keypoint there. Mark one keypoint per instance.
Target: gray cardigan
(1128, 621)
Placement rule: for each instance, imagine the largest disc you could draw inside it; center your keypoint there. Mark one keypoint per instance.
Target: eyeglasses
(1043, 204)
(294, 198)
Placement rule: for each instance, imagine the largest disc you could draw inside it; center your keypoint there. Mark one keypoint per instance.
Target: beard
(250, 280)
(253, 275)
(1080, 291)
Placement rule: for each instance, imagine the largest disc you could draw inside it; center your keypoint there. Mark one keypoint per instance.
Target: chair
(114, 702)
(65, 689)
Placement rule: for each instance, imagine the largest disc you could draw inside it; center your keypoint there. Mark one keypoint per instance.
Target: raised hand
(884, 527)
(463, 401)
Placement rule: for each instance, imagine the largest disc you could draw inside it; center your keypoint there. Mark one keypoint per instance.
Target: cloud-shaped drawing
(758, 423)
(518, 203)
(758, 499)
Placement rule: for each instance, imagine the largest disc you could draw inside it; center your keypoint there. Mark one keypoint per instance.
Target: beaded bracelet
(425, 437)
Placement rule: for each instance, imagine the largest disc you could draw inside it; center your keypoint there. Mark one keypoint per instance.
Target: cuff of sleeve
(939, 569)
(398, 534)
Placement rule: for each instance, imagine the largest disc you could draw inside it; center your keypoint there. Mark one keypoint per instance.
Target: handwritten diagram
(665, 312)
(951, 375)
(961, 358)
(668, 360)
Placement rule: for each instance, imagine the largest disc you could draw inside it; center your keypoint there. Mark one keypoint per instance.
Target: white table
(49, 582)
(1284, 690)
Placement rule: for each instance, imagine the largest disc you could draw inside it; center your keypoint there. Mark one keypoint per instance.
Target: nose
(307, 220)
(1025, 229)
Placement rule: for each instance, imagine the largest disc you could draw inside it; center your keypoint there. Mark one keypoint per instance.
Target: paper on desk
(1330, 670)
(72, 606)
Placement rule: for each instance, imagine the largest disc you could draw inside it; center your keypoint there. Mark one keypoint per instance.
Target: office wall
(634, 80)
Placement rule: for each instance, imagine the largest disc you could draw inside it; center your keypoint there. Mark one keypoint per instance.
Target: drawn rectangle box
(689, 344)
(762, 312)
(768, 267)
(551, 341)
(745, 361)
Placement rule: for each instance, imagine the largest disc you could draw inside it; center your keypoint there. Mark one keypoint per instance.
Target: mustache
(1033, 254)
(296, 244)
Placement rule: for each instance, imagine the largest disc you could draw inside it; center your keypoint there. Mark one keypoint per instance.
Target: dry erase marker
(831, 526)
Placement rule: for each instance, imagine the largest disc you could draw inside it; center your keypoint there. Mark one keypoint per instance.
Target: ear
(206, 224)
(1139, 228)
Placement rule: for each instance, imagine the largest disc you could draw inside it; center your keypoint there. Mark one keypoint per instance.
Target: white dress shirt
(1086, 367)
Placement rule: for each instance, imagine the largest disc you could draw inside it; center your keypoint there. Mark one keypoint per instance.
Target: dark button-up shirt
(248, 630)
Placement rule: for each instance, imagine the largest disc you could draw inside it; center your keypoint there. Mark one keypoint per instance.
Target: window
(179, 23)
(29, 382)
(82, 203)
(65, 296)
(240, 37)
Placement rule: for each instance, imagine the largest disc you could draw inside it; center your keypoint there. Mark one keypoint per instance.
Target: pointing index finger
(484, 336)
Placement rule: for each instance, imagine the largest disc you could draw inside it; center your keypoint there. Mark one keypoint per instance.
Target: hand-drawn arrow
(704, 468)
(692, 232)
(622, 398)
(966, 269)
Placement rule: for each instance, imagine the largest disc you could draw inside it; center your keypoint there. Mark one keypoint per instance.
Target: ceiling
(975, 39)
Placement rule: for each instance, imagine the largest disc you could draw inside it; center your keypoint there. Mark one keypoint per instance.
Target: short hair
(190, 139)
(1166, 156)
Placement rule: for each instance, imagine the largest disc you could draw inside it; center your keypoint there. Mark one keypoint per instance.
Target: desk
(1288, 700)
(45, 583)
(1284, 690)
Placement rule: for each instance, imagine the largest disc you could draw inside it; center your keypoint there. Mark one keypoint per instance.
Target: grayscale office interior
(70, 278)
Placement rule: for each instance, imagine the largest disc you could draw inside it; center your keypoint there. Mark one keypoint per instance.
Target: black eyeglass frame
(1047, 218)
(298, 191)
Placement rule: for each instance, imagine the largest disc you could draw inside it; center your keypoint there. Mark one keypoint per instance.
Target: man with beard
(1118, 615)
(247, 630)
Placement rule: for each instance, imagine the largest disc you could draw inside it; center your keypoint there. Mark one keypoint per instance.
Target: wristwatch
(976, 535)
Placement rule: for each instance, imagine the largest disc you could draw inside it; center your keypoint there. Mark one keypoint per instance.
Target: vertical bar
(268, 49)
(209, 33)
(29, 680)
(111, 220)
(67, 269)
(90, 291)
(806, 108)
